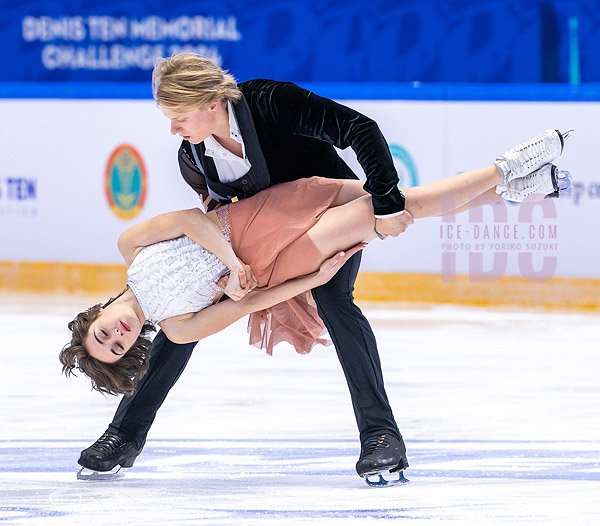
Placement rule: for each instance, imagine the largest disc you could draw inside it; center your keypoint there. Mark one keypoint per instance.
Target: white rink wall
(54, 207)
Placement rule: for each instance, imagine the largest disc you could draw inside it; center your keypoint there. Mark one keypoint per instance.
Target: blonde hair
(186, 82)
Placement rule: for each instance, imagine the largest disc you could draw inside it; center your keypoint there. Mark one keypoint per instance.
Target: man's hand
(330, 266)
(236, 289)
(393, 226)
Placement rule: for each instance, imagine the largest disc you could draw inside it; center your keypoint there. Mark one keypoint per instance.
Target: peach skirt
(269, 232)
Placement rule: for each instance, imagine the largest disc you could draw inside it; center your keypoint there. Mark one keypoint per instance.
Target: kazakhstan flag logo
(125, 182)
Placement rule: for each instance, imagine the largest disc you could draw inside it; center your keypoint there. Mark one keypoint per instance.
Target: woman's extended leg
(444, 196)
(451, 194)
(454, 194)
(350, 220)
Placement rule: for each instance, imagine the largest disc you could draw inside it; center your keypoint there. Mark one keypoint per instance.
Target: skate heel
(403, 464)
(127, 463)
(562, 181)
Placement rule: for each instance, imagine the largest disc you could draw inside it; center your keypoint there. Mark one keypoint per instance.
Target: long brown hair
(115, 378)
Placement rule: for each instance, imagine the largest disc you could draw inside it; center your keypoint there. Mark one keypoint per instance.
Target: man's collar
(234, 129)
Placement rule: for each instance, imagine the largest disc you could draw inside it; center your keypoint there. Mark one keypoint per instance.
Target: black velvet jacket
(297, 131)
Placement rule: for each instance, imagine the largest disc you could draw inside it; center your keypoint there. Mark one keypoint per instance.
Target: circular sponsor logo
(405, 166)
(125, 182)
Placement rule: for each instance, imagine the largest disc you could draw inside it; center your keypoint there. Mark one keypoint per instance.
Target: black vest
(255, 180)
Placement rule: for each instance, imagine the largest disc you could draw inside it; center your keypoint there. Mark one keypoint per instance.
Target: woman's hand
(236, 289)
(330, 267)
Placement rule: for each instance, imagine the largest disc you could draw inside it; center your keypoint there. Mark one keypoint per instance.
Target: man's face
(195, 125)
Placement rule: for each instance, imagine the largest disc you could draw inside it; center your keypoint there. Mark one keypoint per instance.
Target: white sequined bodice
(174, 277)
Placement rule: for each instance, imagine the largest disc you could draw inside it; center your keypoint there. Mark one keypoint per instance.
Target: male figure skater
(238, 140)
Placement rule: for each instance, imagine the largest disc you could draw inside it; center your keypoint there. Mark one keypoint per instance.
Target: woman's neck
(130, 299)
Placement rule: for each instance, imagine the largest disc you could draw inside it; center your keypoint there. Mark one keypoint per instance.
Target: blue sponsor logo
(582, 190)
(18, 195)
(405, 166)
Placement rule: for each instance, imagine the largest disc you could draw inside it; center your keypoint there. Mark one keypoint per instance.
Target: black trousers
(354, 343)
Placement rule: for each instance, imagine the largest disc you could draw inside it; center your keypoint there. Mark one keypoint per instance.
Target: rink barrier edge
(581, 294)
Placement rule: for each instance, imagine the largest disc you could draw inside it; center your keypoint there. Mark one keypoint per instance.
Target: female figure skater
(286, 234)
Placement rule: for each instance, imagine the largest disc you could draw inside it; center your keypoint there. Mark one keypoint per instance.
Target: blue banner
(313, 40)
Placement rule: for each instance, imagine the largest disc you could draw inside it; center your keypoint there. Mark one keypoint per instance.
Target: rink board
(64, 202)
(555, 293)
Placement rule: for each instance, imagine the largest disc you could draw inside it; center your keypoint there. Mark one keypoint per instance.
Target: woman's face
(195, 125)
(112, 333)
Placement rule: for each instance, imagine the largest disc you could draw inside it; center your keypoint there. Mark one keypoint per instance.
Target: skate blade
(385, 478)
(567, 134)
(89, 474)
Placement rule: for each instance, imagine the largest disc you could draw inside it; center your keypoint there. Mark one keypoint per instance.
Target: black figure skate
(104, 459)
(382, 460)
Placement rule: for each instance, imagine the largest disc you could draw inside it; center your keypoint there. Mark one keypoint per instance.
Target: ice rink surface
(500, 411)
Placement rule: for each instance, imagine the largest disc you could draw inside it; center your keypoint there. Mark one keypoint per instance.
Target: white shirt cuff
(388, 215)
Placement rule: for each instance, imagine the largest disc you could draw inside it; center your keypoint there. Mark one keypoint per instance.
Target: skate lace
(109, 443)
(528, 153)
(533, 183)
(375, 444)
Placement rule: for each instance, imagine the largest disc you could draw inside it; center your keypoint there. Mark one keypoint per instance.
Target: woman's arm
(192, 223)
(216, 317)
